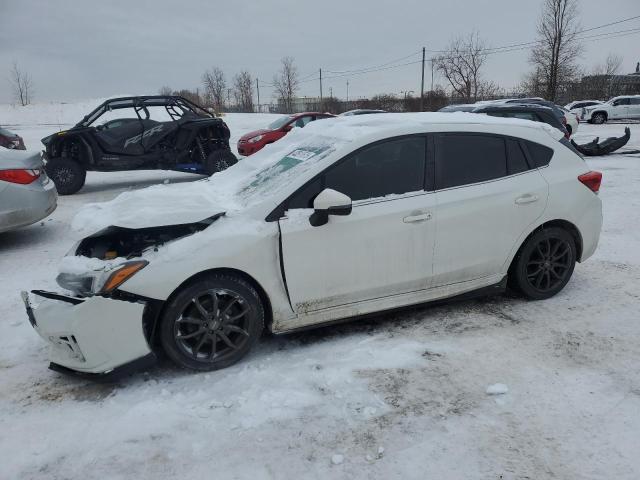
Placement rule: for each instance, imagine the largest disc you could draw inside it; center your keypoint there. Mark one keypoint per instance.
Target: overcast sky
(80, 49)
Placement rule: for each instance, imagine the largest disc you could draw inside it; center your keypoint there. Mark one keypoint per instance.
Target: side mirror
(329, 202)
(287, 128)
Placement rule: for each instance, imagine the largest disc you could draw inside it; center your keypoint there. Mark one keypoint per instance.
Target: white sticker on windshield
(301, 154)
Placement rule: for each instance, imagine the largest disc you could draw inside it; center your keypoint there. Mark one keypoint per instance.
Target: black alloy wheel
(213, 323)
(545, 263)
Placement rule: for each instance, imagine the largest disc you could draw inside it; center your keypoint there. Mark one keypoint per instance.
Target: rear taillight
(23, 177)
(591, 180)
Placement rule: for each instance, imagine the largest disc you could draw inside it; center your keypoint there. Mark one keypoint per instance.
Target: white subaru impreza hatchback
(345, 217)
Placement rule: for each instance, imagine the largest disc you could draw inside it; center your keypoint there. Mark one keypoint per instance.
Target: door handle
(418, 217)
(528, 198)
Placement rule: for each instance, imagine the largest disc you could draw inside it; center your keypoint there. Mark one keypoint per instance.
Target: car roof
(513, 107)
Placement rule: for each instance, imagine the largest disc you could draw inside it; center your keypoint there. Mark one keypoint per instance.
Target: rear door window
(463, 159)
(516, 160)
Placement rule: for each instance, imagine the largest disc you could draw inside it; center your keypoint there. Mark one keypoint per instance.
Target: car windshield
(277, 175)
(6, 133)
(279, 123)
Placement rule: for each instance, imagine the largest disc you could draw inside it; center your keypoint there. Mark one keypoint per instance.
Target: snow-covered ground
(482, 389)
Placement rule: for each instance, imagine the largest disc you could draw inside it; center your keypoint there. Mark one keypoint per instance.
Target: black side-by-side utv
(188, 139)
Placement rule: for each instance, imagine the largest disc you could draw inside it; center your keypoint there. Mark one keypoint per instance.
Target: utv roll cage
(175, 106)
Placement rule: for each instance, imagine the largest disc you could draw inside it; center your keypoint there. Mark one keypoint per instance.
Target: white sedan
(343, 218)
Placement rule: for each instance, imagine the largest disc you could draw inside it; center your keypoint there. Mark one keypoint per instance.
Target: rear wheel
(212, 323)
(599, 118)
(67, 175)
(220, 160)
(544, 264)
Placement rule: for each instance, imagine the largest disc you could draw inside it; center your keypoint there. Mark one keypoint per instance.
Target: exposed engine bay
(114, 242)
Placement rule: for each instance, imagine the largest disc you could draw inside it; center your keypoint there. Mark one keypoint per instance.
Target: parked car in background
(572, 120)
(26, 193)
(463, 107)
(251, 142)
(557, 110)
(157, 132)
(11, 140)
(360, 111)
(577, 106)
(533, 112)
(340, 221)
(625, 107)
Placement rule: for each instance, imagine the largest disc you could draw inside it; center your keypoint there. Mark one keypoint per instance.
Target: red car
(254, 141)
(11, 140)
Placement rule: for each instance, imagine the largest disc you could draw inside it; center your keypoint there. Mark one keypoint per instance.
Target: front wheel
(599, 118)
(212, 323)
(219, 160)
(544, 264)
(67, 175)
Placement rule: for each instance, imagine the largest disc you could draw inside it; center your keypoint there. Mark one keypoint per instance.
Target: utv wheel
(212, 323)
(544, 264)
(220, 160)
(67, 175)
(599, 118)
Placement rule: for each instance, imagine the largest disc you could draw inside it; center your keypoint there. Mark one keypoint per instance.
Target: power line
(375, 66)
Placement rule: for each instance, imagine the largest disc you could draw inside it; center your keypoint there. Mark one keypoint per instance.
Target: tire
(569, 129)
(219, 160)
(544, 264)
(599, 118)
(198, 336)
(67, 175)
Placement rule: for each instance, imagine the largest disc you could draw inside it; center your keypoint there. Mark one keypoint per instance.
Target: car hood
(254, 133)
(19, 159)
(157, 206)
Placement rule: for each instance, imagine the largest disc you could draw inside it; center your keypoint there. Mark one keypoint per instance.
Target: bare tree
(461, 64)
(215, 87)
(286, 83)
(22, 85)
(165, 91)
(600, 83)
(555, 54)
(243, 91)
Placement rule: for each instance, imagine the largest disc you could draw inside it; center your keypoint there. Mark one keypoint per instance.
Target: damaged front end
(99, 331)
(102, 262)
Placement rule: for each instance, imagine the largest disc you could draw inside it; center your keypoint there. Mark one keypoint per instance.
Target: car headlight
(255, 139)
(119, 275)
(100, 282)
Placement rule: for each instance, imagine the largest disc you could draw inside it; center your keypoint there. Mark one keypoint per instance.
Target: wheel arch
(264, 298)
(85, 157)
(603, 112)
(565, 225)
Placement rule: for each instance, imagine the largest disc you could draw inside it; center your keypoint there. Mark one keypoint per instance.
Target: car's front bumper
(94, 336)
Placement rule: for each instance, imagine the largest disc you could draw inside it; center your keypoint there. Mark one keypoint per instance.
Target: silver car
(26, 193)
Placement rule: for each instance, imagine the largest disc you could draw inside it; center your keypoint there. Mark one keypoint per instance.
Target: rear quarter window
(539, 155)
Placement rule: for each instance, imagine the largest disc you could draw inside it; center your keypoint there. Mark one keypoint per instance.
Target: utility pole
(422, 84)
(432, 74)
(258, 90)
(330, 92)
(320, 89)
(347, 90)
